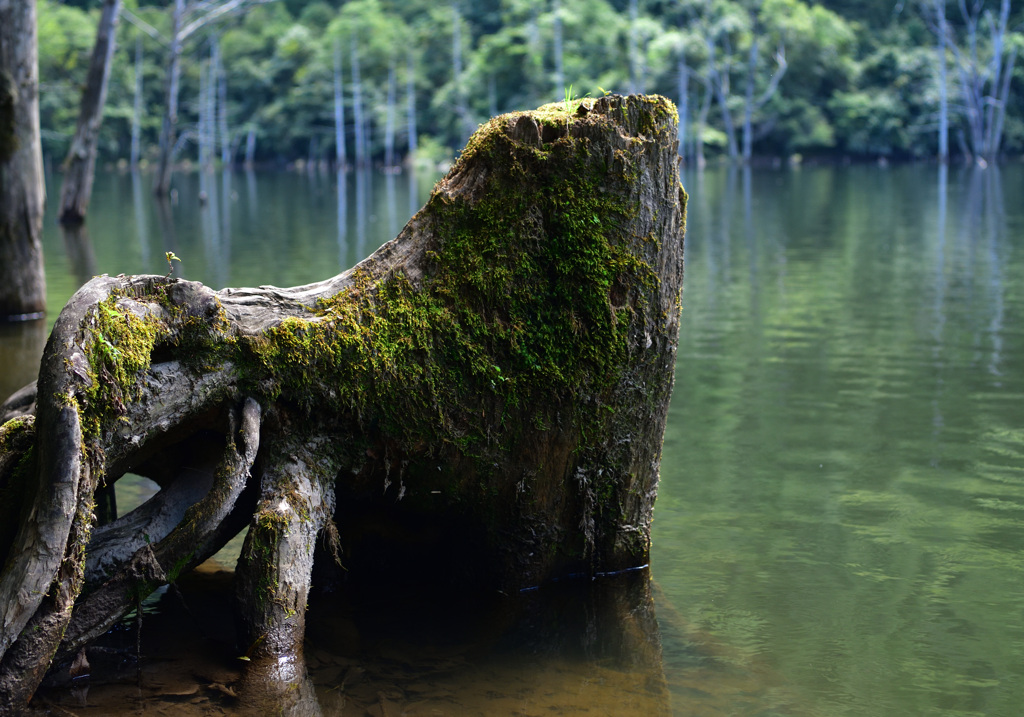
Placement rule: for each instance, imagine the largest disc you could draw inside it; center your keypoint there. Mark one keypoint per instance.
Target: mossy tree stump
(483, 397)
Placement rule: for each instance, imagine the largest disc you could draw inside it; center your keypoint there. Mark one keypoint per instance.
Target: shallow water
(840, 521)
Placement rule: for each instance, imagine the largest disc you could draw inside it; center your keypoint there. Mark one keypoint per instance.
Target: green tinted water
(840, 523)
(842, 495)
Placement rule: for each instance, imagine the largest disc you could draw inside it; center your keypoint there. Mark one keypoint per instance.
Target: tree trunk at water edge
(483, 398)
(22, 193)
(80, 165)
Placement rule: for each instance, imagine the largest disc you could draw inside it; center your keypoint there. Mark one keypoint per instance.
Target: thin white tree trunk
(719, 80)
(633, 69)
(461, 110)
(250, 148)
(940, 12)
(357, 108)
(702, 119)
(559, 70)
(748, 100)
(1003, 98)
(222, 111)
(683, 93)
(202, 128)
(137, 106)
(410, 90)
(339, 112)
(389, 127)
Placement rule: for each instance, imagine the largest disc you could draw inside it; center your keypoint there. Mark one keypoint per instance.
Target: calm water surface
(840, 523)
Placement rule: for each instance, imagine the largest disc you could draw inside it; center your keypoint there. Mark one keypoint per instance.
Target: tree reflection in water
(575, 646)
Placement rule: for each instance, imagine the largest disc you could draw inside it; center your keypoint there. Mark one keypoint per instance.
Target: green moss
(119, 352)
(17, 438)
(515, 311)
(262, 544)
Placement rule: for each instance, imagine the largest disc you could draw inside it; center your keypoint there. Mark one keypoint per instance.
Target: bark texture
(483, 398)
(80, 164)
(22, 193)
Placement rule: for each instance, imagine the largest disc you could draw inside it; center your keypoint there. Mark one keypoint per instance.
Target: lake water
(840, 521)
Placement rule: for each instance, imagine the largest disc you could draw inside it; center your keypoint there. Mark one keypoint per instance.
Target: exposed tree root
(486, 395)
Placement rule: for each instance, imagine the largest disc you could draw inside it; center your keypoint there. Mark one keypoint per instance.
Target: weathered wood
(22, 194)
(80, 164)
(482, 398)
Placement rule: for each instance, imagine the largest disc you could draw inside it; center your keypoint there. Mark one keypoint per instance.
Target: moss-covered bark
(484, 398)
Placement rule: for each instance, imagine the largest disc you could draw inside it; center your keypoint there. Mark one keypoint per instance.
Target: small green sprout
(171, 256)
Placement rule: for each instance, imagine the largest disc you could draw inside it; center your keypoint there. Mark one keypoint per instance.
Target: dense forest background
(857, 79)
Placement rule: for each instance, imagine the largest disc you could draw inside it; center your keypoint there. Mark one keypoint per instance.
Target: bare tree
(340, 159)
(718, 79)
(559, 68)
(942, 34)
(22, 193)
(682, 101)
(80, 165)
(221, 80)
(410, 92)
(720, 32)
(984, 68)
(389, 124)
(187, 18)
(750, 105)
(357, 109)
(169, 126)
(702, 120)
(461, 107)
(634, 72)
(137, 106)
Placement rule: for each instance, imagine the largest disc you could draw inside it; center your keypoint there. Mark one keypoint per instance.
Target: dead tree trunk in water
(486, 394)
(80, 165)
(22, 194)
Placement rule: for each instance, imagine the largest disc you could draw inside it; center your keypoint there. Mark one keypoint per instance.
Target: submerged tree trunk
(22, 193)
(410, 118)
(484, 397)
(136, 150)
(357, 110)
(80, 165)
(340, 160)
(169, 126)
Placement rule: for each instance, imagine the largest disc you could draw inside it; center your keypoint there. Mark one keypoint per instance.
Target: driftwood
(484, 398)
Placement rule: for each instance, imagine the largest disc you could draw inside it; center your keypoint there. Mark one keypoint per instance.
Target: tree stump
(484, 397)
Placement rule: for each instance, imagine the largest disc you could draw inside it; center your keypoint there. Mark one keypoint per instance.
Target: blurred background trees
(771, 78)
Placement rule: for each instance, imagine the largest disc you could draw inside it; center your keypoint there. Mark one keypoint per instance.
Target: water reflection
(843, 472)
(79, 251)
(392, 205)
(215, 232)
(168, 234)
(414, 198)
(21, 346)
(362, 200)
(839, 519)
(139, 195)
(342, 202)
(574, 647)
(250, 187)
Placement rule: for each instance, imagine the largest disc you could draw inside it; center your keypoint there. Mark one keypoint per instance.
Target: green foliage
(860, 76)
